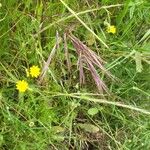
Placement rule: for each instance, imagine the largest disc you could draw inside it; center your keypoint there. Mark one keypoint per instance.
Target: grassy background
(62, 118)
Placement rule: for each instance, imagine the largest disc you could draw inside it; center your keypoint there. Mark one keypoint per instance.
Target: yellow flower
(34, 71)
(111, 29)
(22, 86)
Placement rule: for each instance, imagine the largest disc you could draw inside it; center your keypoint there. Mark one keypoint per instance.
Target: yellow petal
(111, 29)
(22, 86)
(34, 71)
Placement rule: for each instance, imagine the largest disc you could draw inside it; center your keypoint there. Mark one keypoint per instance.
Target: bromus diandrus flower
(89, 58)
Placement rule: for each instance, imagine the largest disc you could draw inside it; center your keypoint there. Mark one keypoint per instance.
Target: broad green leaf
(90, 38)
(59, 138)
(57, 129)
(93, 111)
(88, 127)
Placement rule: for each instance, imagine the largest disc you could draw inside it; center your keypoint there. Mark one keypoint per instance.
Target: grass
(57, 111)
